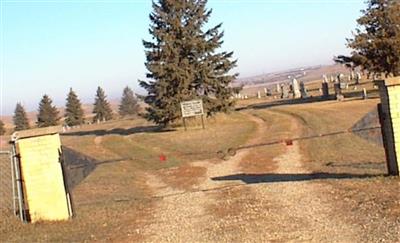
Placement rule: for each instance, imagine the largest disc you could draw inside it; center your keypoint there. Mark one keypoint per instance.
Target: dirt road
(230, 206)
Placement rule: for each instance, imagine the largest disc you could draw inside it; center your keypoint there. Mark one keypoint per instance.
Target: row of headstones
(339, 85)
(66, 128)
(341, 77)
(298, 90)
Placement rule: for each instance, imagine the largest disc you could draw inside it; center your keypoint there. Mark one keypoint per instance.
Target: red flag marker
(163, 158)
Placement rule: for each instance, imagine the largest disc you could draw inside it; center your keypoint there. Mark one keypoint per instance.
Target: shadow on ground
(273, 177)
(78, 166)
(120, 131)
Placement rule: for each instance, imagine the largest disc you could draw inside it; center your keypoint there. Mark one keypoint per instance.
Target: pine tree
(48, 114)
(183, 62)
(102, 109)
(20, 119)
(73, 110)
(129, 104)
(2, 128)
(376, 42)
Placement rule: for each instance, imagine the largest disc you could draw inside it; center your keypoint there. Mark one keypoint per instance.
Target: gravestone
(352, 75)
(325, 79)
(285, 91)
(278, 88)
(358, 78)
(303, 90)
(364, 94)
(339, 77)
(258, 95)
(296, 89)
(338, 89)
(325, 89)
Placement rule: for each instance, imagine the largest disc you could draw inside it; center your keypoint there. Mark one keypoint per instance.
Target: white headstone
(296, 89)
(365, 95)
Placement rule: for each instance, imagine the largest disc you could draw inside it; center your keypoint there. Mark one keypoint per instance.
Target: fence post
(389, 90)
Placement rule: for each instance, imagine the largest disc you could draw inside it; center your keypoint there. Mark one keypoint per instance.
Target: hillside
(302, 74)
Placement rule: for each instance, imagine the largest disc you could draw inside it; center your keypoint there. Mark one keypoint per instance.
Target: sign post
(192, 108)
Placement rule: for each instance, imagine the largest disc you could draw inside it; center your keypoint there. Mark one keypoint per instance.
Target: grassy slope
(339, 153)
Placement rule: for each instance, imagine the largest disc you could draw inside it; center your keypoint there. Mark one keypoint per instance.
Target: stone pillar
(389, 90)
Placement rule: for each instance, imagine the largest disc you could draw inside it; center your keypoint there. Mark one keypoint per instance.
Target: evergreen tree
(20, 119)
(73, 110)
(2, 128)
(129, 104)
(376, 42)
(102, 109)
(183, 62)
(48, 114)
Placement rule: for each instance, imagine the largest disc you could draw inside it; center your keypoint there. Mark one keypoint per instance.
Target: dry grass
(373, 202)
(340, 153)
(110, 204)
(261, 158)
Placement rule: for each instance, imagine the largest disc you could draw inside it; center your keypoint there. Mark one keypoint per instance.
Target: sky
(48, 46)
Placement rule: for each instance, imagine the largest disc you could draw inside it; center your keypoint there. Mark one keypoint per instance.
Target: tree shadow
(273, 177)
(120, 131)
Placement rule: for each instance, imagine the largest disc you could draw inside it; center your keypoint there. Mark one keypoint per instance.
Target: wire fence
(6, 193)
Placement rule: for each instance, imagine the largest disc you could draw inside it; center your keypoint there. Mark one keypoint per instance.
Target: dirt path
(306, 214)
(266, 211)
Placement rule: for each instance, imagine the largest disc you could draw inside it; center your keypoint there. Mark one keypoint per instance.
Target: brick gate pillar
(389, 90)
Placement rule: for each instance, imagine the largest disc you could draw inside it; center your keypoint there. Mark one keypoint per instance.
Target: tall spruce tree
(73, 110)
(2, 128)
(183, 61)
(48, 115)
(20, 119)
(102, 109)
(376, 42)
(129, 104)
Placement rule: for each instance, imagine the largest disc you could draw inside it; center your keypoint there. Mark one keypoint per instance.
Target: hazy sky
(49, 46)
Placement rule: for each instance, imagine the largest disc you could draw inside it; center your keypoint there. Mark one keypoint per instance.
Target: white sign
(192, 108)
